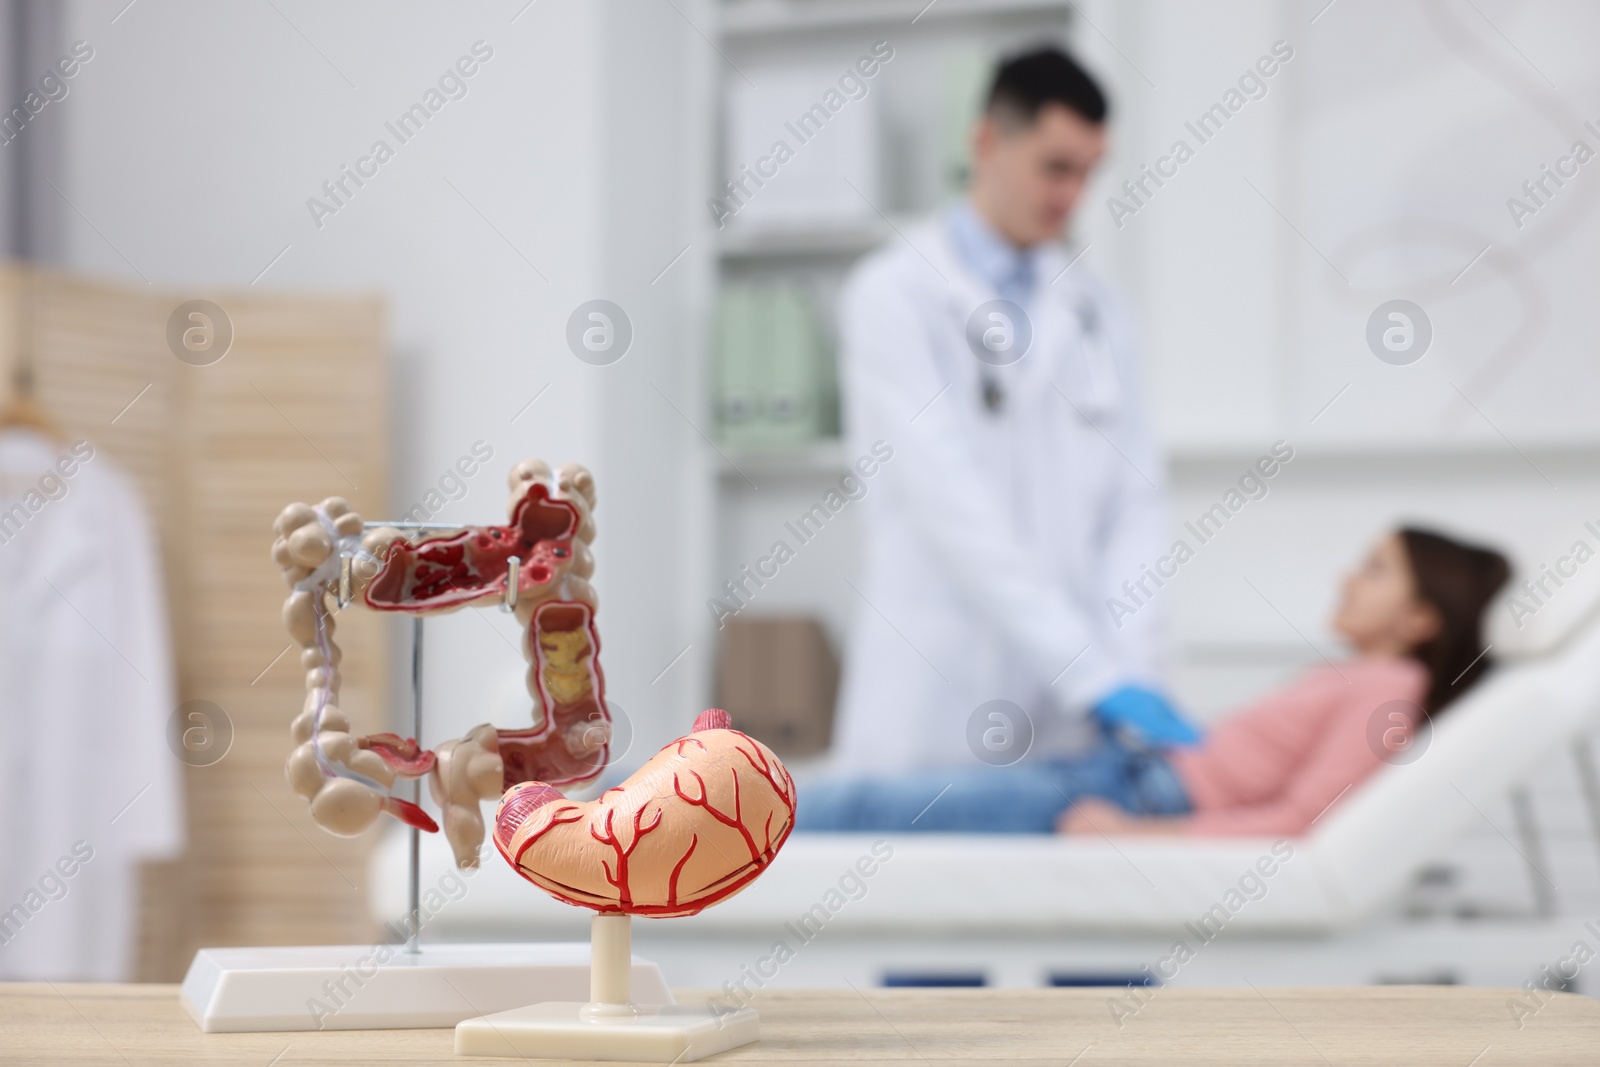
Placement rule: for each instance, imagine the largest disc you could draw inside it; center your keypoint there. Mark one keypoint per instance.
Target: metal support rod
(1544, 897)
(402, 525)
(513, 580)
(345, 582)
(413, 938)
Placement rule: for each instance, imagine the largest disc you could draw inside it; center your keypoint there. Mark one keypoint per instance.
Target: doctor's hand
(1148, 714)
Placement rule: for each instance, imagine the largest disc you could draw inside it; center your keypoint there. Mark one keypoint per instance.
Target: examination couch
(1536, 706)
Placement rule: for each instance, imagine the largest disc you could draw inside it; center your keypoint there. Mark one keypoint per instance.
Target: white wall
(1381, 159)
(1199, 262)
(1387, 147)
(199, 130)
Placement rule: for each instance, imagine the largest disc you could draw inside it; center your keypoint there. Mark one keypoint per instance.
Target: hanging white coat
(89, 788)
(993, 539)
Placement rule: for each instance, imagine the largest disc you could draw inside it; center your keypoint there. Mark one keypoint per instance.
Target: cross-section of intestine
(348, 778)
(692, 827)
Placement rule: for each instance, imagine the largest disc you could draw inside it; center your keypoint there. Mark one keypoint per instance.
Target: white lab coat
(992, 542)
(87, 781)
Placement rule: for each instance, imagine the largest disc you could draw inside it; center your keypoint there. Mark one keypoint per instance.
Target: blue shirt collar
(1009, 269)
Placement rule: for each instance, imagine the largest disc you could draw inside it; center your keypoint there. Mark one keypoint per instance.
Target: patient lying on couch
(1413, 615)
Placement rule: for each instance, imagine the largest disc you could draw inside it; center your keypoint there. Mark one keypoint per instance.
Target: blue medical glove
(1147, 713)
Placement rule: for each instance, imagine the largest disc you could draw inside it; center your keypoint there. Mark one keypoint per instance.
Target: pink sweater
(1273, 767)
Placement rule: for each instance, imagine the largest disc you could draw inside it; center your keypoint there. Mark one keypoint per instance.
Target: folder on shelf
(736, 388)
(774, 378)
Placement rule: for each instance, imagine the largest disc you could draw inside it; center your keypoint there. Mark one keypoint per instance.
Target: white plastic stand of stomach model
(695, 825)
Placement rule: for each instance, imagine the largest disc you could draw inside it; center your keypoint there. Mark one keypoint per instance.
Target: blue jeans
(1025, 799)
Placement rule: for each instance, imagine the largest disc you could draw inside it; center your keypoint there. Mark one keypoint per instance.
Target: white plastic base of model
(344, 987)
(673, 1034)
(615, 1024)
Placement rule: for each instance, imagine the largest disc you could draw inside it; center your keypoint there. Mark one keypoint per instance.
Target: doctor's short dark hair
(1025, 83)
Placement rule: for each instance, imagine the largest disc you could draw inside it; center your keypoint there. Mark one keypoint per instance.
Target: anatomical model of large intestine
(538, 563)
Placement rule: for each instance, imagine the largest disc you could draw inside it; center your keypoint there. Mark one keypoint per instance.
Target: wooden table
(1414, 1026)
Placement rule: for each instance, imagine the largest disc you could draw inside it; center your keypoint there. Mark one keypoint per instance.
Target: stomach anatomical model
(539, 563)
(693, 826)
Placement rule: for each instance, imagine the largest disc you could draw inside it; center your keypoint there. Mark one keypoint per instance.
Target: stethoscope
(993, 396)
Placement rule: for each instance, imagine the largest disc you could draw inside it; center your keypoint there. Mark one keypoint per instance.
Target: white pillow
(1534, 616)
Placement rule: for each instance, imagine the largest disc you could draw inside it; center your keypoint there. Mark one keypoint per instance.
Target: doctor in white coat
(1024, 489)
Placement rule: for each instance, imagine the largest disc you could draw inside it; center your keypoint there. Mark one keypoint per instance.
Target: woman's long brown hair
(1459, 581)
